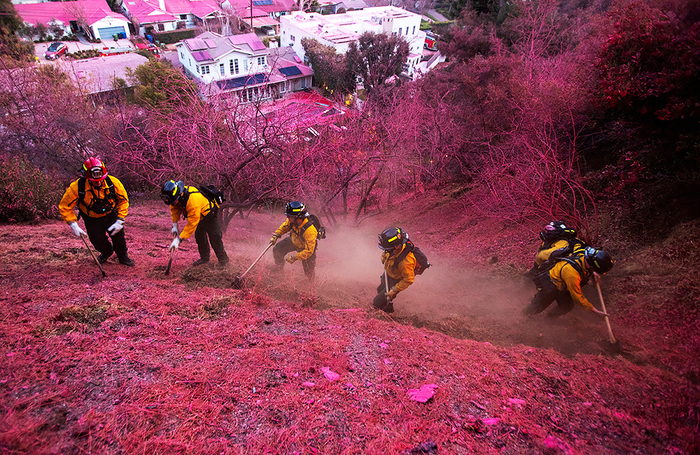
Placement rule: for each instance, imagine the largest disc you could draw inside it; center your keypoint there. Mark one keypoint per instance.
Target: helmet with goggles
(391, 238)
(296, 209)
(599, 260)
(94, 169)
(172, 191)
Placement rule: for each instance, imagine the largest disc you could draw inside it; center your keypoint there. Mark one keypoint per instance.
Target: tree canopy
(375, 57)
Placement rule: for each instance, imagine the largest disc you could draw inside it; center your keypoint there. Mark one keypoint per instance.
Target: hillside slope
(140, 362)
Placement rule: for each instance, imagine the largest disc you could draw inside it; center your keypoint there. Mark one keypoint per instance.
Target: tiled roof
(96, 75)
(93, 10)
(210, 46)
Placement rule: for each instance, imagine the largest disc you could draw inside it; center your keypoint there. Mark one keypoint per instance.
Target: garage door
(108, 32)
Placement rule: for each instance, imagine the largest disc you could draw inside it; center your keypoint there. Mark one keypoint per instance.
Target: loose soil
(141, 362)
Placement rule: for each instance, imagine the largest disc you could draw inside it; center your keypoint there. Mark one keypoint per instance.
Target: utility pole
(251, 17)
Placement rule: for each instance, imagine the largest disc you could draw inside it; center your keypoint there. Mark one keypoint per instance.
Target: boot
(200, 262)
(127, 261)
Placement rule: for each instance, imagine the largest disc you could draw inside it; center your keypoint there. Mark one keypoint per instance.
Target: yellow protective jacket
(198, 206)
(403, 271)
(304, 240)
(543, 255)
(70, 200)
(565, 277)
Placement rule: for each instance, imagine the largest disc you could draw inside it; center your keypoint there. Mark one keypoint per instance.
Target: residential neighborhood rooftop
(95, 75)
(44, 13)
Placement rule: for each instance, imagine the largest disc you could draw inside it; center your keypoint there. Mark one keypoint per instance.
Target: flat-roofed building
(339, 30)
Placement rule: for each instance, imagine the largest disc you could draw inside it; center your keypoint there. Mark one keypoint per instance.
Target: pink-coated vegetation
(139, 362)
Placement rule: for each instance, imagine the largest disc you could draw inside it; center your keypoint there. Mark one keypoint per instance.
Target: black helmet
(296, 209)
(172, 191)
(391, 238)
(556, 230)
(599, 260)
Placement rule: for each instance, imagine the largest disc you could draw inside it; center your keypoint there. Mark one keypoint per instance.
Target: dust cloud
(449, 297)
(349, 271)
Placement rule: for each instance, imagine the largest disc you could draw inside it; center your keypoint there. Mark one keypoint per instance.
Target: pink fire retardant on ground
(331, 376)
(423, 394)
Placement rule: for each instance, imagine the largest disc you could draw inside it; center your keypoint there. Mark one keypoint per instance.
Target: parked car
(55, 50)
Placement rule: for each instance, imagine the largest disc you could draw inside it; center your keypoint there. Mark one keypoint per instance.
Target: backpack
(421, 259)
(212, 193)
(98, 205)
(317, 224)
(543, 274)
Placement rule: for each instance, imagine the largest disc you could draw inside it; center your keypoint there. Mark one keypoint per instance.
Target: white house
(339, 30)
(69, 17)
(242, 64)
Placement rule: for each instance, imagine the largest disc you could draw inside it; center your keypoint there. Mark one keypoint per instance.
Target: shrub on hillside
(26, 193)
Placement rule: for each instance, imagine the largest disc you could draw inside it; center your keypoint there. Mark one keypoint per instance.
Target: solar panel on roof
(230, 84)
(262, 2)
(201, 56)
(195, 44)
(209, 43)
(290, 71)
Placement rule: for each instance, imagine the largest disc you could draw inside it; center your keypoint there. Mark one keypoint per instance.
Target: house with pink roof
(243, 65)
(265, 13)
(70, 17)
(168, 15)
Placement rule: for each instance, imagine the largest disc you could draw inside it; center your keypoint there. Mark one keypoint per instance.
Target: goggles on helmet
(96, 173)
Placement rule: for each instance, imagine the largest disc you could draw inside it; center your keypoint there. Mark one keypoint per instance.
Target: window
(261, 60)
(197, 69)
(291, 37)
(245, 65)
(183, 17)
(406, 31)
(414, 30)
(189, 62)
(182, 56)
(233, 66)
(283, 87)
(222, 69)
(161, 27)
(399, 31)
(205, 69)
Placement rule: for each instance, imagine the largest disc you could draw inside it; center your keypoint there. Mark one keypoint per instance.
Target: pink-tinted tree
(376, 57)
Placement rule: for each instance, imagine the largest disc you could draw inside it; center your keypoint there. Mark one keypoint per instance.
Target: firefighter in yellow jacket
(103, 204)
(399, 268)
(202, 220)
(302, 239)
(558, 240)
(563, 282)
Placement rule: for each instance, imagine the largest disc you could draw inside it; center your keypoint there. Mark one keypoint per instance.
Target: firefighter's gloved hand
(174, 232)
(391, 295)
(176, 243)
(76, 229)
(274, 238)
(291, 258)
(116, 227)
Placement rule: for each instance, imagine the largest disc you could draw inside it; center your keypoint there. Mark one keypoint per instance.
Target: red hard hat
(94, 169)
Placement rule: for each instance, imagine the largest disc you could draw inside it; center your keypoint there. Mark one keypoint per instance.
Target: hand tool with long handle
(82, 236)
(602, 303)
(386, 287)
(170, 262)
(238, 281)
(389, 308)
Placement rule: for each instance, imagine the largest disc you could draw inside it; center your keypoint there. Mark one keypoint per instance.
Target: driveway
(81, 45)
(435, 15)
